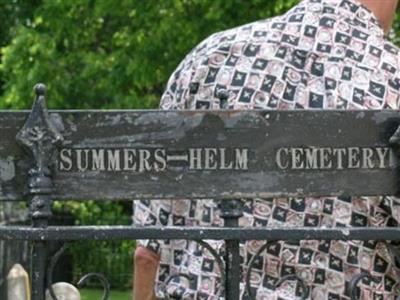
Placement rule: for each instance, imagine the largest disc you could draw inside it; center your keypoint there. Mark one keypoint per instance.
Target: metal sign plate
(115, 155)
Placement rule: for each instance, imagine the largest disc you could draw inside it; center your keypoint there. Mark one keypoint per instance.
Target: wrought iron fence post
(231, 211)
(39, 138)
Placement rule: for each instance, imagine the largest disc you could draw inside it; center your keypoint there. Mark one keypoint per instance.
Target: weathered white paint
(7, 169)
(18, 287)
(64, 291)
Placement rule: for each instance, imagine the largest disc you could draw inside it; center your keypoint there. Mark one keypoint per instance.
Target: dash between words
(145, 160)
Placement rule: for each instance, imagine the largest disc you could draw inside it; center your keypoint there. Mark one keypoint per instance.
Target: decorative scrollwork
(39, 134)
(353, 289)
(101, 278)
(291, 277)
(220, 263)
(50, 269)
(39, 137)
(53, 262)
(221, 266)
(250, 267)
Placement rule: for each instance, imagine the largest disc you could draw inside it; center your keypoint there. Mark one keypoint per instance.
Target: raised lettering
(367, 161)
(65, 160)
(278, 159)
(160, 162)
(297, 162)
(353, 158)
(311, 158)
(382, 152)
(324, 155)
(210, 162)
(144, 164)
(339, 152)
(224, 166)
(80, 159)
(113, 160)
(98, 160)
(241, 161)
(195, 159)
(129, 162)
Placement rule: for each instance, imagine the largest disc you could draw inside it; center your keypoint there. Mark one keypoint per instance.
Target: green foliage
(12, 15)
(107, 54)
(110, 54)
(112, 258)
(91, 294)
(92, 212)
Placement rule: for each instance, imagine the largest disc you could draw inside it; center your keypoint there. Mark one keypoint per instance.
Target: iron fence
(254, 167)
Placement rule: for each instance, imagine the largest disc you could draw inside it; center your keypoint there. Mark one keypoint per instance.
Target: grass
(94, 294)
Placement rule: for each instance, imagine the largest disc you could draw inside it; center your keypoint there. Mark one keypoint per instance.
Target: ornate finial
(39, 136)
(40, 89)
(38, 128)
(223, 96)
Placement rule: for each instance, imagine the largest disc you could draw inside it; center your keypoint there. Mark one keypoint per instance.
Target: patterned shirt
(322, 54)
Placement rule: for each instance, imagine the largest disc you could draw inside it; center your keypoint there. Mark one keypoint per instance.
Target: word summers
(146, 160)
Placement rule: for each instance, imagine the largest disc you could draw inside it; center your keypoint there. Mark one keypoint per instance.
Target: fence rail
(225, 155)
(102, 233)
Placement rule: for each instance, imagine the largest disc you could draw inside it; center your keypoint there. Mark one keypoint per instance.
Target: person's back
(322, 54)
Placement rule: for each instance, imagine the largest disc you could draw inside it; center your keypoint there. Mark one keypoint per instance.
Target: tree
(12, 14)
(112, 54)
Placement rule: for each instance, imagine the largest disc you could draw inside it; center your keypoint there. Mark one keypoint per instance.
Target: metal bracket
(231, 209)
(395, 138)
(394, 142)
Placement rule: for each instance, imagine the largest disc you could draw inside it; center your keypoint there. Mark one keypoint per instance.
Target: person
(321, 54)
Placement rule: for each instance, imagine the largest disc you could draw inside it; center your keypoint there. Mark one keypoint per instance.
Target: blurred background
(103, 54)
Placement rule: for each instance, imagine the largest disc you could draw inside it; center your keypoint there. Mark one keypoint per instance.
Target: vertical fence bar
(39, 138)
(38, 270)
(39, 249)
(231, 211)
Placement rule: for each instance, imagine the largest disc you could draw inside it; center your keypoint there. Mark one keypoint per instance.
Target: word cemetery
(333, 158)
